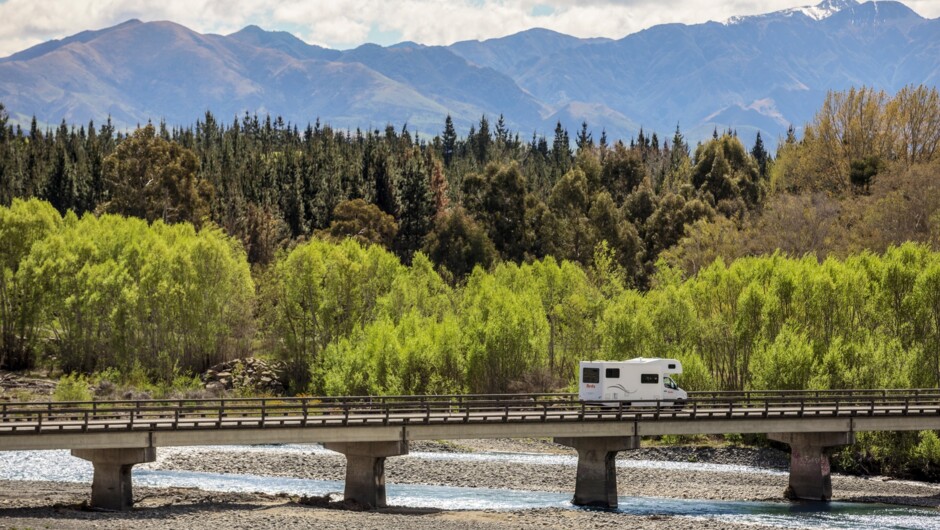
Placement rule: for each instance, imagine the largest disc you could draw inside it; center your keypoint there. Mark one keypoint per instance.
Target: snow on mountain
(820, 11)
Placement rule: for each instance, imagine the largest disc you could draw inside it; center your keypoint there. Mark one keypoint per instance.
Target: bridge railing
(401, 410)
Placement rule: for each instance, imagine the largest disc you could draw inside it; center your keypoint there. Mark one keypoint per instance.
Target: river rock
(254, 375)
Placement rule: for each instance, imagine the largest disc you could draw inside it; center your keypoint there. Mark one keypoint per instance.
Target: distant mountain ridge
(761, 72)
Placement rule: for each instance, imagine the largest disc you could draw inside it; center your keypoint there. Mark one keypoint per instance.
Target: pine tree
(449, 141)
(561, 150)
(760, 156)
(585, 139)
(483, 141)
(680, 150)
(416, 204)
(502, 133)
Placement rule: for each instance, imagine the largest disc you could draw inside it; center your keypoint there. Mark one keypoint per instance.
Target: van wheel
(679, 404)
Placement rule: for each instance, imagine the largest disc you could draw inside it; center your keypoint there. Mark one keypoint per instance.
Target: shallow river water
(61, 466)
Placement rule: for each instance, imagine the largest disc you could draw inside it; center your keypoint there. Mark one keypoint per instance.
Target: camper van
(641, 381)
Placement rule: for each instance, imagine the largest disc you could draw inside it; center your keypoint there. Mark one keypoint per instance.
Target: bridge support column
(365, 469)
(596, 483)
(111, 487)
(810, 475)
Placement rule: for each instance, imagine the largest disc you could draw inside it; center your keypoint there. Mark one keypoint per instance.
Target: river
(61, 466)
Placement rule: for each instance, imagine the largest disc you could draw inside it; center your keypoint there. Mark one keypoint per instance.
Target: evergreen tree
(584, 139)
(483, 141)
(760, 156)
(561, 150)
(416, 204)
(502, 132)
(448, 141)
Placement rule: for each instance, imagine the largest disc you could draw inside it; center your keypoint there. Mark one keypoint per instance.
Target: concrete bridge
(116, 435)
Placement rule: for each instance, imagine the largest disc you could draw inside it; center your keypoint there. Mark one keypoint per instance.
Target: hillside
(748, 73)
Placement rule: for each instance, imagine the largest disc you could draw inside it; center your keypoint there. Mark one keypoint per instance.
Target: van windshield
(669, 383)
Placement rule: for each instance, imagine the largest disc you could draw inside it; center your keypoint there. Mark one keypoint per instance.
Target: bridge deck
(426, 417)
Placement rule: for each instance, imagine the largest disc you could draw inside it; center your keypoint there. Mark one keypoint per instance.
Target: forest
(379, 262)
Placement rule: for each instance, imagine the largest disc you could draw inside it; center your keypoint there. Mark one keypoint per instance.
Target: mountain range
(755, 73)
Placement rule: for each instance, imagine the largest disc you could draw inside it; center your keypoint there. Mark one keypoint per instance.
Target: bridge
(116, 435)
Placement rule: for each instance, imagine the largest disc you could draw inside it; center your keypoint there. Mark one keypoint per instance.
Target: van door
(669, 388)
(613, 389)
(591, 386)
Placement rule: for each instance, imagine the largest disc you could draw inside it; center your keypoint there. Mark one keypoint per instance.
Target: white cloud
(345, 23)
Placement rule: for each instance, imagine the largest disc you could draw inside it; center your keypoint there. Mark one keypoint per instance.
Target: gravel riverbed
(59, 505)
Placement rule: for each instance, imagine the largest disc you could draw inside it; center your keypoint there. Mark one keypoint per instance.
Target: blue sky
(349, 23)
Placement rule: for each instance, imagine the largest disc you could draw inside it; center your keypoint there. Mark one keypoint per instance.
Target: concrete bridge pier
(111, 487)
(365, 469)
(596, 483)
(810, 475)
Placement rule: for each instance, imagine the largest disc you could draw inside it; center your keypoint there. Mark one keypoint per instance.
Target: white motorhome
(640, 381)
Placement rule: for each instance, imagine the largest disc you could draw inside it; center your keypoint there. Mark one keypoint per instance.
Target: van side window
(649, 378)
(612, 373)
(591, 375)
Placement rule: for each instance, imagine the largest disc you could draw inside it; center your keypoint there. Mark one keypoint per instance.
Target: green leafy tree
(319, 293)
(152, 178)
(504, 333)
(459, 244)
(22, 225)
(364, 222)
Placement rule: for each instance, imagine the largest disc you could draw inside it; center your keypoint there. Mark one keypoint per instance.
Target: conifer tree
(760, 156)
(416, 204)
(448, 141)
(561, 150)
(483, 141)
(584, 139)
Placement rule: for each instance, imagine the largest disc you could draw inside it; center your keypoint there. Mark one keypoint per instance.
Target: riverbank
(58, 505)
(717, 474)
(427, 464)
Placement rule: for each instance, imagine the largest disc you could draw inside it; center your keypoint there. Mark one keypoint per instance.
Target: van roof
(638, 360)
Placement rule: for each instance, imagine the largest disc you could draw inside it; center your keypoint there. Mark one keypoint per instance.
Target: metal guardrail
(312, 412)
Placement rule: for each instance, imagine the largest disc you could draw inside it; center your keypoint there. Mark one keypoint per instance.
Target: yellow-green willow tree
(22, 225)
(118, 292)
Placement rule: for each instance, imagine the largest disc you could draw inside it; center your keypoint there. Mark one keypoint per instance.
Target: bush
(72, 387)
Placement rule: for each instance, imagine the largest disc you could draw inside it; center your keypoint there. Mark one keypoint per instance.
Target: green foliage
(153, 178)
(505, 331)
(22, 225)
(458, 244)
(115, 291)
(72, 387)
(926, 454)
(364, 222)
(784, 364)
(320, 292)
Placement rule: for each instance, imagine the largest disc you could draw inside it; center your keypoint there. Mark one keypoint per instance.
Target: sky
(345, 24)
